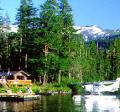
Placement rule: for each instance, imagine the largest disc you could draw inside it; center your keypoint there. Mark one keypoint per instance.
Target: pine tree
(107, 65)
(117, 41)
(77, 57)
(55, 34)
(48, 39)
(67, 36)
(6, 28)
(25, 16)
(115, 59)
(92, 57)
(4, 44)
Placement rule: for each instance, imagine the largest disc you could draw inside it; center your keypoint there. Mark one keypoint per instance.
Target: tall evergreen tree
(107, 65)
(47, 37)
(77, 57)
(117, 47)
(67, 34)
(6, 28)
(115, 59)
(3, 43)
(25, 17)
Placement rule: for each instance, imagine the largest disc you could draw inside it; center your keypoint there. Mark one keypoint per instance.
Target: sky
(102, 13)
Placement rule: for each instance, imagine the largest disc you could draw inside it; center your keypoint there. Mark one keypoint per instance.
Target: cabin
(15, 78)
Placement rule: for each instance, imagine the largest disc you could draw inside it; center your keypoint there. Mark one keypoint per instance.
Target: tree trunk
(20, 53)
(44, 78)
(69, 75)
(26, 58)
(46, 53)
(59, 77)
(40, 81)
(81, 76)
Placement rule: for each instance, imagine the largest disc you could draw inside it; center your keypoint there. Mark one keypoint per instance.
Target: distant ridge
(94, 32)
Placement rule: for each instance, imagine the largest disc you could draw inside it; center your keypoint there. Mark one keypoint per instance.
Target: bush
(2, 90)
(16, 89)
(36, 89)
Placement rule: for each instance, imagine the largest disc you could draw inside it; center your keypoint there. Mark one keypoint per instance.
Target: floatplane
(101, 87)
(97, 88)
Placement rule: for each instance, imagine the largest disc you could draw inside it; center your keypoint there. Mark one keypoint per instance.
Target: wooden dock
(17, 97)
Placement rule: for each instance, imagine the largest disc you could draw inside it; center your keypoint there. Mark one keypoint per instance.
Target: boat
(101, 87)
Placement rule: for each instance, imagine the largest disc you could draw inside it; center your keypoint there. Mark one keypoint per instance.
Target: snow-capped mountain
(94, 32)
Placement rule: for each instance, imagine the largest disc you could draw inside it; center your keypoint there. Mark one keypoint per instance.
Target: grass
(48, 87)
(54, 88)
(37, 88)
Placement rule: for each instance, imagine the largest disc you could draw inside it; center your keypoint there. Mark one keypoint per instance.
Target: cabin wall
(20, 76)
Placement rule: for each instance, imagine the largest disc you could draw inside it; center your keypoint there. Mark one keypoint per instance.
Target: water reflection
(96, 103)
(26, 106)
(65, 103)
(58, 103)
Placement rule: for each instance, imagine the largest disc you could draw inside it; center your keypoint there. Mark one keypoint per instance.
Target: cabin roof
(10, 73)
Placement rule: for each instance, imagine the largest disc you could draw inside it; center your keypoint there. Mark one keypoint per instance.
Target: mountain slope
(95, 33)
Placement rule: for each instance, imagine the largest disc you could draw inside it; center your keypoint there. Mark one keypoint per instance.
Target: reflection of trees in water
(64, 103)
(50, 103)
(57, 103)
(26, 106)
(3, 107)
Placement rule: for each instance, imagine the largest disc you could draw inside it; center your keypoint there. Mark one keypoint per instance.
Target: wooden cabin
(15, 77)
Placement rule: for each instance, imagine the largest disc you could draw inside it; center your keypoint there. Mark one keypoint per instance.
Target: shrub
(36, 89)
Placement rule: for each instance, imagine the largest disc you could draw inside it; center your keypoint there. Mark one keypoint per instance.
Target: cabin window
(10, 77)
(20, 77)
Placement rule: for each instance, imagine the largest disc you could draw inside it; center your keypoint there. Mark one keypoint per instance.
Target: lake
(65, 103)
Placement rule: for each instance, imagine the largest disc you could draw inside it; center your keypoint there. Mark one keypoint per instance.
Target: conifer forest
(46, 45)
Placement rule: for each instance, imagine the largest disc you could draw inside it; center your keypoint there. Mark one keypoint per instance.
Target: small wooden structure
(18, 97)
(15, 77)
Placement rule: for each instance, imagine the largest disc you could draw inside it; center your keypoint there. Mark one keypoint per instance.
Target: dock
(18, 97)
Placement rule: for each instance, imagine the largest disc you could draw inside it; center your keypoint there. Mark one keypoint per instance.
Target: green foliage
(36, 89)
(54, 88)
(80, 89)
(2, 89)
(25, 19)
(16, 89)
(47, 45)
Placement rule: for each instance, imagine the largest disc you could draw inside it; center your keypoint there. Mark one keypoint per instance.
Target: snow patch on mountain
(92, 29)
(94, 32)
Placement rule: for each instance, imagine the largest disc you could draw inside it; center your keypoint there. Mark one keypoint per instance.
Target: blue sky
(103, 13)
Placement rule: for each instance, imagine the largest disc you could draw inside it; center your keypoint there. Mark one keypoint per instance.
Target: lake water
(65, 103)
